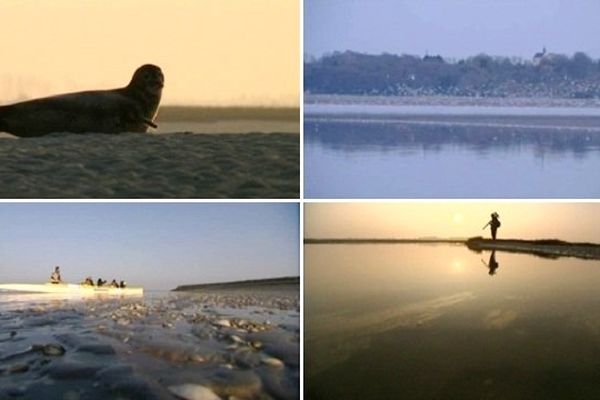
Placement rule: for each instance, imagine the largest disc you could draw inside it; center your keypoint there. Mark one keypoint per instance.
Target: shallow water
(216, 344)
(452, 152)
(430, 322)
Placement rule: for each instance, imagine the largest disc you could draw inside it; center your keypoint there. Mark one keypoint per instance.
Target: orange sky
(526, 220)
(213, 52)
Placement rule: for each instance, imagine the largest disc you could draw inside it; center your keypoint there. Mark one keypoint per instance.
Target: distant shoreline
(178, 113)
(383, 241)
(253, 284)
(544, 75)
(448, 100)
(547, 248)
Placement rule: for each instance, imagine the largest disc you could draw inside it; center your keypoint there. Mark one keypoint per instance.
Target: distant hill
(545, 75)
(248, 284)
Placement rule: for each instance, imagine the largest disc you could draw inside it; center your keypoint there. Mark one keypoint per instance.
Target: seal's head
(149, 79)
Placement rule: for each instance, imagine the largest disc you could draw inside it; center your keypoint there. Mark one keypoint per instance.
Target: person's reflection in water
(494, 224)
(492, 264)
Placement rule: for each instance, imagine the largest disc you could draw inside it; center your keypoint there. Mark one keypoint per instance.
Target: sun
(457, 218)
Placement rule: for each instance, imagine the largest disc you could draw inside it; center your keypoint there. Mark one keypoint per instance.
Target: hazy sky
(212, 52)
(452, 28)
(158, 246)
(524, 220)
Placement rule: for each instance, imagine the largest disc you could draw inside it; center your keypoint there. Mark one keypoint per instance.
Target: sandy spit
(178, 165)
(542, 248)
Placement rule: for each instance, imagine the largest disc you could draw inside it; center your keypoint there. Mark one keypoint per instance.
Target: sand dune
(178, 165)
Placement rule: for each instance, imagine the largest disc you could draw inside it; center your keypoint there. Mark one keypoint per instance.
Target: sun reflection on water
(458, 266)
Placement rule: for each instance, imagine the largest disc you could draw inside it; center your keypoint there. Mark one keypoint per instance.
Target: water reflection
(375, 158)
(492, 265)
(398, 321)
(17, 300)
(352, 135)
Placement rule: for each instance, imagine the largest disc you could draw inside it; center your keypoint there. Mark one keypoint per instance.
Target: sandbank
(177, 165)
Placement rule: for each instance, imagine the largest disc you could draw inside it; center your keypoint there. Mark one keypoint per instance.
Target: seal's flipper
(150, 123)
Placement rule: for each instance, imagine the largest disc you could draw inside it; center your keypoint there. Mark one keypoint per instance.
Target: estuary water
(379, 151)
(425, 321)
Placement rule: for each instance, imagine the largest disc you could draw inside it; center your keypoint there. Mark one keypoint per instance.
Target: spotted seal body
(128, 109)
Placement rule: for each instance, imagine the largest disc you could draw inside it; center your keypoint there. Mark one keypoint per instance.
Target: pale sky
(155, 245)
(212, 52)
(452, 28)
(522, 220)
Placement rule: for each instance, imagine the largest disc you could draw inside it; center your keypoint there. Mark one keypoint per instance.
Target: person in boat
(55, 277)
(89, 281)
(494, 224)
(114, 283)
(100, 282)
(122, 284)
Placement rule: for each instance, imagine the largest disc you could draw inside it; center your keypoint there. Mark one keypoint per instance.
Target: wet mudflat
(218, 345)
(443, 322)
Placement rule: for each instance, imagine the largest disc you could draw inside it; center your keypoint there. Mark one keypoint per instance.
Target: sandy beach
(177, 165)
(217, 345)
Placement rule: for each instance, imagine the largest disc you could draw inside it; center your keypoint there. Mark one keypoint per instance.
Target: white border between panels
(452, 200)
(301, 193)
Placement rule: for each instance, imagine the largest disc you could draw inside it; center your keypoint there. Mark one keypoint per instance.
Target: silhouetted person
(122, 284)
(100, 282)
(114, 283)
(493, 264)
(55, 277)
(494, 224)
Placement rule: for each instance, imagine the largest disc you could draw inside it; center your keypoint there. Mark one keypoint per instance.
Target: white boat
(70, 288)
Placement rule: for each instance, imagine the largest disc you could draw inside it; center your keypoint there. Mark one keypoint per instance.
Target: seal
(128, 109)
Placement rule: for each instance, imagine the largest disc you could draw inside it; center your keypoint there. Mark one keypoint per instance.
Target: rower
(114, 283)
(100, 282)
(55, 277)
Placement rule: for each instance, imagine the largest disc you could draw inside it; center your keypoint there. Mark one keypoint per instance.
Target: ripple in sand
(151, 166)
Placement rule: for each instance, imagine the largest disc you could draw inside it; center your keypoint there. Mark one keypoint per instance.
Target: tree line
(548, 75)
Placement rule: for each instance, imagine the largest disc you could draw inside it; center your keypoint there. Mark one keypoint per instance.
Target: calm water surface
(517, 154)
(431, 322)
